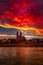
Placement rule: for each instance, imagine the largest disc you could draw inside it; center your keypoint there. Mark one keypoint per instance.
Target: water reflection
(21, 55)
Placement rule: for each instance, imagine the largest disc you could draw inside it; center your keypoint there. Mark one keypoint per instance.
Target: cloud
(22, 14)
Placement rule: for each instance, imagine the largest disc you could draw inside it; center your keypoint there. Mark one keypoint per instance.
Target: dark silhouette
(20, 38)
(17, 34)
(21, 41)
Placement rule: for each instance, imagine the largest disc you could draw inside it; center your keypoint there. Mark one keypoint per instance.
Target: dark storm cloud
(5, 2)
(35, 5)
(36, 8)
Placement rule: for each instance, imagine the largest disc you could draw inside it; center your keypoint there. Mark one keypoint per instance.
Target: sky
(23, 15)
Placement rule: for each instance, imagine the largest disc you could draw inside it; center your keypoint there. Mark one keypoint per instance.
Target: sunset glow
(22, 15)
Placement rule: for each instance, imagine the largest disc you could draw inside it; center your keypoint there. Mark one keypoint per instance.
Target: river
(21, 55)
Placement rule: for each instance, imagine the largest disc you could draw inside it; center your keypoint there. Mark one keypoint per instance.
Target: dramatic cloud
(22, 14)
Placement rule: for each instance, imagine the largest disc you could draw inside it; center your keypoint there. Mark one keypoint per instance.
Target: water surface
(21, 55)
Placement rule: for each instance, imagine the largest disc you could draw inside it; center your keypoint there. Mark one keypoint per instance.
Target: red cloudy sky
(22, 14)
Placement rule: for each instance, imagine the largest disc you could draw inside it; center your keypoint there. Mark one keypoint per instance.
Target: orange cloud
(38, 31)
